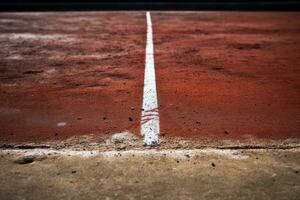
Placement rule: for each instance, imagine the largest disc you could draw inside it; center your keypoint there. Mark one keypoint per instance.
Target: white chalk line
(150, 116)
(182, 154)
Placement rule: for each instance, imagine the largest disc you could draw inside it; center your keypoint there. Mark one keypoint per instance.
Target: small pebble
(59, 124)
(25, 160)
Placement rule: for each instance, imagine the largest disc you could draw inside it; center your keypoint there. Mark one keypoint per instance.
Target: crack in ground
(129, 147)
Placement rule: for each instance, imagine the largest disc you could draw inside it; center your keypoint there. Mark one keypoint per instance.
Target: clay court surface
(220, 75)
(71, 103)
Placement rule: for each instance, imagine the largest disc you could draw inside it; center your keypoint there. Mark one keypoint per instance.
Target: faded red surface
(228, 75)
(220, 75)
(83, 69)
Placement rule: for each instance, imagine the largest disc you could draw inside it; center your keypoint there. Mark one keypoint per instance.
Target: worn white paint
(183, 154)
(150, 116)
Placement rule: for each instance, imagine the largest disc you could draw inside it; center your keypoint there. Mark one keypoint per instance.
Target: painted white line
(183, 154)
(150, 115)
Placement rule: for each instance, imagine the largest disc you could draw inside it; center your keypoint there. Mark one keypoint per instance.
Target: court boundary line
(150, 125)
(182, 154)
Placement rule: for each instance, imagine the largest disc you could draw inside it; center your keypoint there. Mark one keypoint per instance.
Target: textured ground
(220, 75)
(246, 174)
(228, 75)
(66, 74)
(228, 92)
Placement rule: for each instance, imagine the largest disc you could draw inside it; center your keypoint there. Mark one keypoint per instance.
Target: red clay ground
(228, 74)
(82, 69)
(219, 74)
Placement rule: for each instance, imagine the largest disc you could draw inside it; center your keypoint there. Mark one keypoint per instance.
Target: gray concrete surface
(263, 174)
